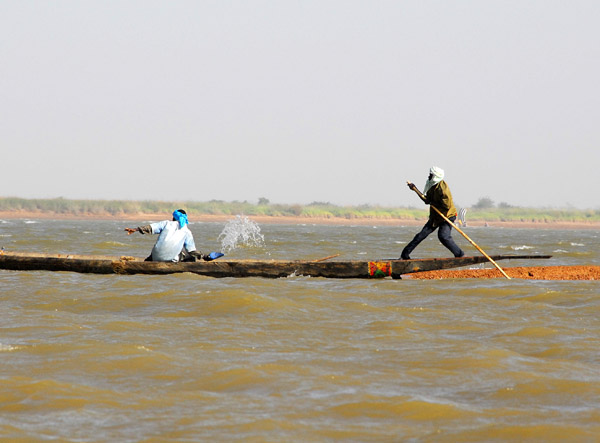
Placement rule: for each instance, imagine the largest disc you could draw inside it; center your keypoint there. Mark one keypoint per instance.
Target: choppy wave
(106, 245)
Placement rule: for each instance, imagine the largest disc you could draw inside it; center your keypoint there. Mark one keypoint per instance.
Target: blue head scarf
(180, 217)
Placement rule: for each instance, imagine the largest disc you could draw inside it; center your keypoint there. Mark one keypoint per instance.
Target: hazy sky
(300, 100)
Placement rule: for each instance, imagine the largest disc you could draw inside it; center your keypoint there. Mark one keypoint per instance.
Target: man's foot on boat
(462, 254)
(404, 257)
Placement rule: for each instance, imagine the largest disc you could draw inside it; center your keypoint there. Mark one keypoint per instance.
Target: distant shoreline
(285, 220)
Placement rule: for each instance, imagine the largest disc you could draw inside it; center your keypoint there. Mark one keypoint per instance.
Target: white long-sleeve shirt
(171, 240)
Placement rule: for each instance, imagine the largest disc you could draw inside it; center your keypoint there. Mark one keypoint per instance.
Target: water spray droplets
(241, 232)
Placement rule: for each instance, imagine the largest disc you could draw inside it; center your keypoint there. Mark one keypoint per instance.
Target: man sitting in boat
(437, 193)
(175, 240)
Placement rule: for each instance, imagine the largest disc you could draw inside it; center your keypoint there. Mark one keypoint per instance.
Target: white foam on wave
(110, 243)
(519, 248)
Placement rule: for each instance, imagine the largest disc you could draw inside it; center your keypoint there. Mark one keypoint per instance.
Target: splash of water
(241, 232)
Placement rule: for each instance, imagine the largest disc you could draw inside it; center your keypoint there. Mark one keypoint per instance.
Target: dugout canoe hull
(242, 268)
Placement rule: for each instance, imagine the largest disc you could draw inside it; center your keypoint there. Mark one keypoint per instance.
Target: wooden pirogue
(241, 268)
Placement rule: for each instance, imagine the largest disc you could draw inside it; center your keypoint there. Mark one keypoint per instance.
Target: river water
(190, 358)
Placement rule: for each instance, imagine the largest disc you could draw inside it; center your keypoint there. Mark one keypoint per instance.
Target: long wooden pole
(325, 258)
(420, 194)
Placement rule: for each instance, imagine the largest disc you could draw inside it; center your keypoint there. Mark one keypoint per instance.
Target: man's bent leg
(427, 229)
(445, 236)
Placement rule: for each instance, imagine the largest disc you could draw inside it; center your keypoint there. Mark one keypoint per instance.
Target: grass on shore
(314, 210)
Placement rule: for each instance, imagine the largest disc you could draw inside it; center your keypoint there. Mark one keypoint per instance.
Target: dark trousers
(444, 234)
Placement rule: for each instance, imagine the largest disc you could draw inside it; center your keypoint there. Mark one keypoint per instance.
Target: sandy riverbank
(143, 217)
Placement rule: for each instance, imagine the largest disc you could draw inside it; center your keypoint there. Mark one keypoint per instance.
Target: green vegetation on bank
(265, 208)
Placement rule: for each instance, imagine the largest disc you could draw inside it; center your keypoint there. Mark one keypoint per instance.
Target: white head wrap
(437, 175)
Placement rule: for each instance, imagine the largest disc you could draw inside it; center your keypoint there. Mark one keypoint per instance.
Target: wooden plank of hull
(24, 263)
(242, 268)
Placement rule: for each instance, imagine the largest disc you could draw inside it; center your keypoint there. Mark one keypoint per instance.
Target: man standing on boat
(175, 240)
(438, 195)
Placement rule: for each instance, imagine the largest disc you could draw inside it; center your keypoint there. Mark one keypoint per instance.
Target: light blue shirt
(171, 240)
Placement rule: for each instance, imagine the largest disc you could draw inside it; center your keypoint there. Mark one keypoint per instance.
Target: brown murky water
(190, 358)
